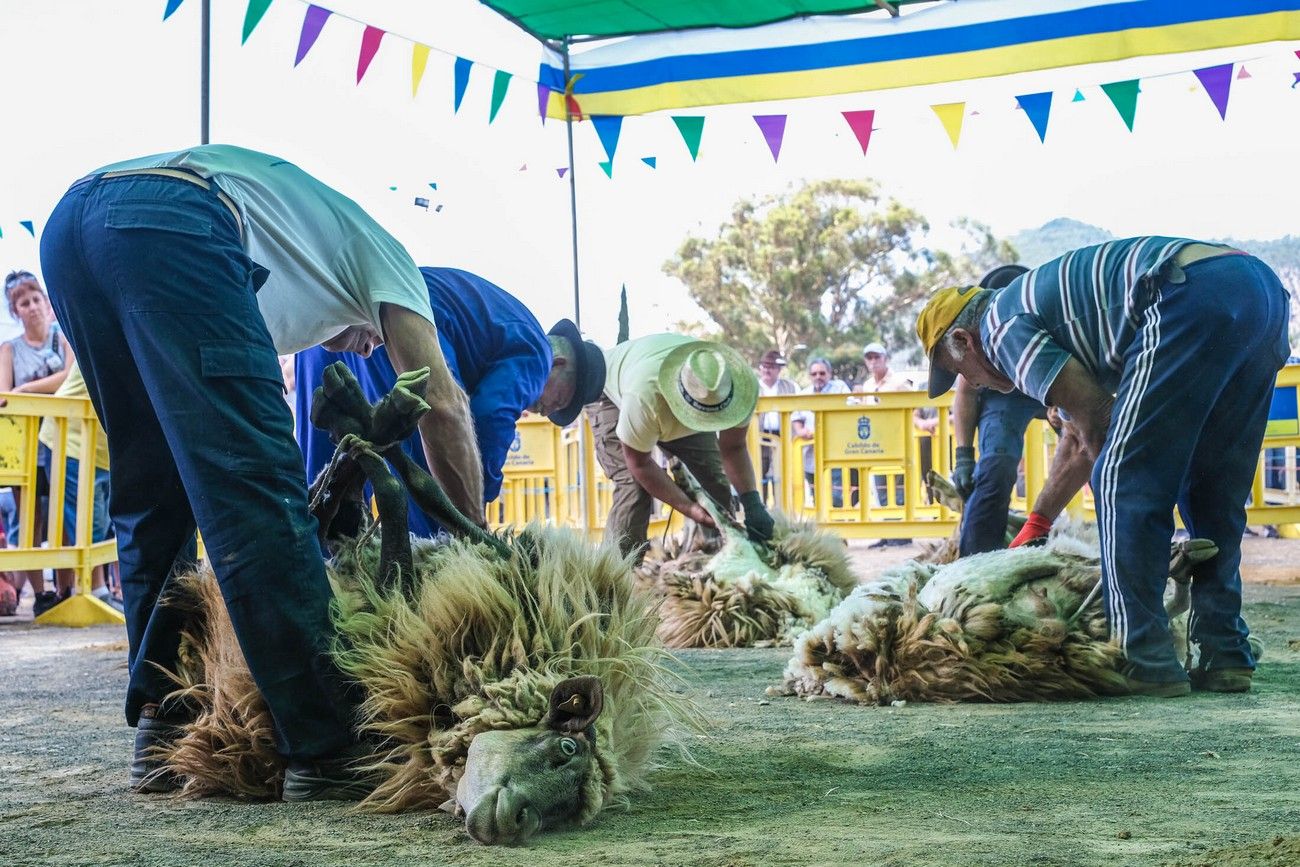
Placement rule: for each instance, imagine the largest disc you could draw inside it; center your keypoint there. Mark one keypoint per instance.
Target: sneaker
(45, 600)
(153, 732)
(106, 597)
(328, 780)
(1223, 679)
(1158, 689)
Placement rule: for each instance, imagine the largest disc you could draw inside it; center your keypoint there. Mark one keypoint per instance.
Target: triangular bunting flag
(1078, 95)
(691, 128)
(1217, 81)
(394, 189)
(543, 100)
(419, 60)
(172, 6)
(951, 115)
(312, 23)
(561, 170)
(608, 168)
(1242, 73)
(524, 167)
(773, 129)
(608, 127)
(2, 233)
(860, 122)
(461, 75)
(1124, 96)
(1297, 80)
(500, 84)
(1037, 107)
(650, 161)
(253, 15)
(433, 185)
(370, 39)
(27, 224)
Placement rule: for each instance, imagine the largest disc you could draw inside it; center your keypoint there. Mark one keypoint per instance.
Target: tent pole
(573, 188)
(205, 68)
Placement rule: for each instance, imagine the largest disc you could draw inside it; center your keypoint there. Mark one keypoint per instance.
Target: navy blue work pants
(1186, 429)
(150, 281)
(1002, 423)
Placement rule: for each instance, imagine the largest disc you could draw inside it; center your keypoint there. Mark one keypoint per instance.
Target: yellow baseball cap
(935, 319)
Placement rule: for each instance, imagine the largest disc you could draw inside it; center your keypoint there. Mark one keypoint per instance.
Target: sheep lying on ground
(1015, 625)
(514, 681)
(728, 592)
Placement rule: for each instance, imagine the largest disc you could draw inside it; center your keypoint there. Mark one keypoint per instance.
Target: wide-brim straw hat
(708, 386)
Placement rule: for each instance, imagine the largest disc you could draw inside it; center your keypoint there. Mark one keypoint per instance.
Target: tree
(825, 268)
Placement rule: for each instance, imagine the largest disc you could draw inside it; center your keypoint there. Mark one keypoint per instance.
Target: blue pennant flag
(1037, 107)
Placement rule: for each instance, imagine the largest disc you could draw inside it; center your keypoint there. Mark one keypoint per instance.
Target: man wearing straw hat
(692, 398)
(1116, 336)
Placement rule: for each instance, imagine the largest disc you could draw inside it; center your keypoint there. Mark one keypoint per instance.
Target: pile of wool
(729, 592)
(1024, 624)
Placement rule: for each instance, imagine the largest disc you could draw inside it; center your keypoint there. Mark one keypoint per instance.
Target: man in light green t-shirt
(693, 399)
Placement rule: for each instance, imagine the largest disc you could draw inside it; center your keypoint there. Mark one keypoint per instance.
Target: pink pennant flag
(370, 40)
(860, 122)
(312, 23)
(524, 167)
(773, 129)
(1242, 73)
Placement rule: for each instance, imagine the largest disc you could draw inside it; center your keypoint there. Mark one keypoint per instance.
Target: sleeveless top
(31, 363)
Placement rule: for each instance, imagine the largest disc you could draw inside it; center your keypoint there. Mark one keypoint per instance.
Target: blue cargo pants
(150, 281)
(1186, 429)
(1001, 426)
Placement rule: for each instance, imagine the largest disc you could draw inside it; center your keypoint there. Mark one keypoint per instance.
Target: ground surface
(1205, 780)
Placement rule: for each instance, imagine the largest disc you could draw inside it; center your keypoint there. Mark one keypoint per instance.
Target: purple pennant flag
(561, 171)
(773, 128)
(543, 100)
(1217, 81)
(1297, 80)
(312, 23)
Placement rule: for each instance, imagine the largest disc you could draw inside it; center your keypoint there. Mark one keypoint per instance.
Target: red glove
(1037, 527)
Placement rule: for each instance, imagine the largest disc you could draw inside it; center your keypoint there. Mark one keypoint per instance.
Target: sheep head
(521, 781)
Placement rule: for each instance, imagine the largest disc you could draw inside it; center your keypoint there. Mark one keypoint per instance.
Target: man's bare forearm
(1086, 402)
(654, 481)
(965, 412)
(1071, 467)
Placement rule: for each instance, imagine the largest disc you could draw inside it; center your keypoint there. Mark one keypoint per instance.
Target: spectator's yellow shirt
(74, 386)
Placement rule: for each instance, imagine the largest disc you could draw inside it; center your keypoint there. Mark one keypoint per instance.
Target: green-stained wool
(477, 645)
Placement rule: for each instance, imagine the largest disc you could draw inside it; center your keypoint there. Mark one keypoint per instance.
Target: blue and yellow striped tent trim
(951, 41)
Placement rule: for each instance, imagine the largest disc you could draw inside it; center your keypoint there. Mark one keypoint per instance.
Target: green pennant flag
(623, 328)
(500, 83)
(1124, 96)
(607, 167)
(691, 127)
(256, 9)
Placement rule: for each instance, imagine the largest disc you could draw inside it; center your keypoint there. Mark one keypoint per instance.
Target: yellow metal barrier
(20, 421)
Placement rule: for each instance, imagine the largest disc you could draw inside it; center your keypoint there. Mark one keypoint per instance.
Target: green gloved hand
(963, 472)
(758, 523)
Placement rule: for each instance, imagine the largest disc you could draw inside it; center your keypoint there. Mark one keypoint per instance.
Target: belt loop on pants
(181, 175)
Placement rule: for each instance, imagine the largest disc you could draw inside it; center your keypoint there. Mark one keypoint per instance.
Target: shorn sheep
(729, 592)
(515, 681)
(1024, 624)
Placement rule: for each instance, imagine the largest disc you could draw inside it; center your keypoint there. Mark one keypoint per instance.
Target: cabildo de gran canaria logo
(864, 427)
(518, 442)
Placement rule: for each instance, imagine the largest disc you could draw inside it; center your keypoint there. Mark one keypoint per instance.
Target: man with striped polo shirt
(1117, 335)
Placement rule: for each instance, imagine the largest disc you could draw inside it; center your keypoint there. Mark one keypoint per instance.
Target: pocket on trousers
(235, 358)
(161, 217)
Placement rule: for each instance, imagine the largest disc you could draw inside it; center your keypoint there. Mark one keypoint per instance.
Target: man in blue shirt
(496, 351)
(1117, 335)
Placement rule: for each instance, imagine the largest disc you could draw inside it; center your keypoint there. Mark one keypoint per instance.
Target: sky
(89, 82)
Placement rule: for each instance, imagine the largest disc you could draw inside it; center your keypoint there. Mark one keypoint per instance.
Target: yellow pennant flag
(419, 59)
(950, 115)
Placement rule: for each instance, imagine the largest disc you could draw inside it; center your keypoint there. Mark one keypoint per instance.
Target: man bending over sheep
(1116, 335)
(692, 398)
(495, 350)
(178, 278)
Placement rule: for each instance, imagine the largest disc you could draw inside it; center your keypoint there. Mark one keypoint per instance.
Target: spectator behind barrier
(770, 384)
(803, 425)
(34, 362)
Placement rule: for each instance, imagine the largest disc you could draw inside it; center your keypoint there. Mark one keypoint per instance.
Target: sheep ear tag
(575, 704)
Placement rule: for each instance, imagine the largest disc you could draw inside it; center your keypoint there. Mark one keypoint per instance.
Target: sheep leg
(339, 406)
(396, 563)
(432, 500)
(398, 413)
(339, 485)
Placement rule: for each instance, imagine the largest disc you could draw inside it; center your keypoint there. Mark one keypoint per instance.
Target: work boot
(45, 600)
(1222, 679)
(154, 733)
(328, 780)
(1157, 688)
